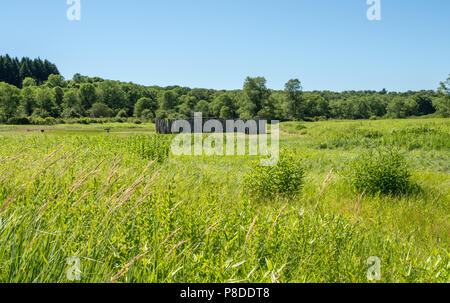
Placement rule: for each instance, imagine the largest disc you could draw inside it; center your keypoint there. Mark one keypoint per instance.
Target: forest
(33, 92)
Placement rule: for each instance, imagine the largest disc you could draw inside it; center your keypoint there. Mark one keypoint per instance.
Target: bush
(300, 127)
(320, 119)
(72, 112)
(42, 121)
(382, 171)
(144, 104)
(134, 121)
(122, 114)
(37, 120)
(101, 110)
(147, 115)
(50, 121)
(442, 106)
(85, 121)
(19, 121)
(119, 120)
(283, 179)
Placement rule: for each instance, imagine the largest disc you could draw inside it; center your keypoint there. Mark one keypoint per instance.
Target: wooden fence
(165, 126)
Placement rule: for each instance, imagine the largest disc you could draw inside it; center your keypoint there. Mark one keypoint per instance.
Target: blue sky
(327, 44)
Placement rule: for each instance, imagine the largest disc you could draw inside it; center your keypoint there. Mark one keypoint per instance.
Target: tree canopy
(14, 71)
(43, 93)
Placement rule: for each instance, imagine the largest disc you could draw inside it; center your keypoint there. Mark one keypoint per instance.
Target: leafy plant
(283, 179)
(382, 171)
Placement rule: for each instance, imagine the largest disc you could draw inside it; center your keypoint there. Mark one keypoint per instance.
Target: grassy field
(78, 191)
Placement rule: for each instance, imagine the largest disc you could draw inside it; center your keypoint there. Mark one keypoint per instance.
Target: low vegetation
(131, 212)
(381, 171)
(268, 182)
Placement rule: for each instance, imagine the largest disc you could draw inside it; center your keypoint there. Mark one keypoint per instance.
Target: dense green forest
(33, 91)
(14, 71)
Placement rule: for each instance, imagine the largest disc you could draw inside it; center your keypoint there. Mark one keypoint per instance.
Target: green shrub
(122, 114)
(37, 120)
(18, 121)
(85, 121)
(119, 120)
(101, 110)
(147, 114)
(381, 171)
(283, 179)
(320, 119)
(41, 121)
(50, 121)
(300, 127)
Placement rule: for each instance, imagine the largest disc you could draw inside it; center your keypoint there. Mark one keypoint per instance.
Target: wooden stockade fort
(238, 126)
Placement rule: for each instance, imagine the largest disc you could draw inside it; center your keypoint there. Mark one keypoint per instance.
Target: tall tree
(255, 95)
(45, 103)
(113, 95)
(88, 95)
(223, 100)
(71, 104)
(25, 69)
(168, 100)
(293, 89)
(14, 71)
(442, 103)
(144, 104)
(9, 101)
(55, 81)
(27, 82)
(28, 101)
(202, 107)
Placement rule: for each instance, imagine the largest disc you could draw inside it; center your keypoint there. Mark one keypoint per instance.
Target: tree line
(35, 100)
(14, 71)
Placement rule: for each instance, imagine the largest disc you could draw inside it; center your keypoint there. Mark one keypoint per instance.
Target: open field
(78, 191)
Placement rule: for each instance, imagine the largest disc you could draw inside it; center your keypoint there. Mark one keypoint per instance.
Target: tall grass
(132, 214)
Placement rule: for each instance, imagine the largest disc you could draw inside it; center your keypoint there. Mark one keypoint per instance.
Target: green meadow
(130, 211)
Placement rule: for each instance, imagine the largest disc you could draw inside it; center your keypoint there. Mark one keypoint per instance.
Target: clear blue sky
(327, 44)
